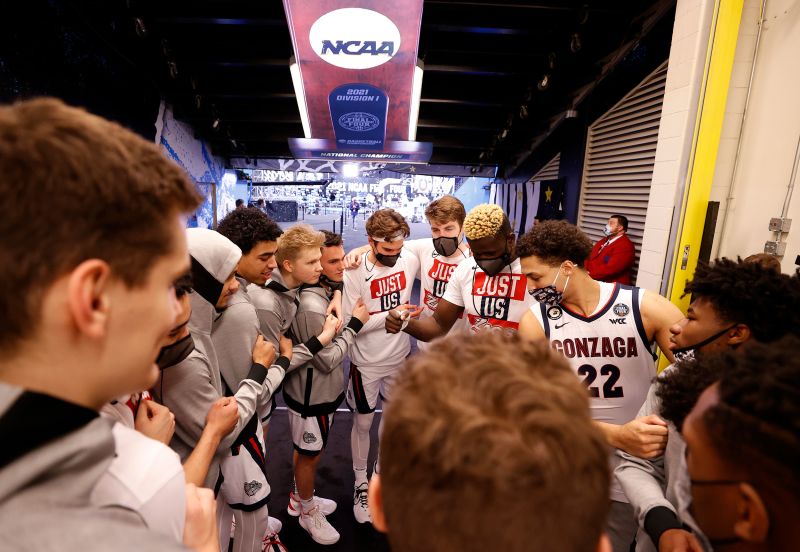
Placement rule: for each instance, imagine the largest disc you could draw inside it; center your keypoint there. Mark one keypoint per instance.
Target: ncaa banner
(356, 60)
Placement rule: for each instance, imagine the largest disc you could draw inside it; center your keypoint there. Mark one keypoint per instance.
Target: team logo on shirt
(621, 309)
(554, 313)
(387, 290)
(495, 294)
(251, 487)
(440, 273)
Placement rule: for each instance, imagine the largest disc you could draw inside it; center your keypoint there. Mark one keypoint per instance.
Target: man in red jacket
(611, 259)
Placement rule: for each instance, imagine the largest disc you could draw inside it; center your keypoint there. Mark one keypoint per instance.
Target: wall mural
(207, 171)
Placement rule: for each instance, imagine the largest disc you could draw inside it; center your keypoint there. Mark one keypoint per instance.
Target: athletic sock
(361, 476)
(306, 505)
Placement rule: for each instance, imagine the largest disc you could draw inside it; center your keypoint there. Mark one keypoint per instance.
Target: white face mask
(607, 230)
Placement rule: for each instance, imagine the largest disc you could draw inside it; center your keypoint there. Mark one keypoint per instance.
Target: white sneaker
(274, 525)
(360, 507)
(317, 526)
(326, 506)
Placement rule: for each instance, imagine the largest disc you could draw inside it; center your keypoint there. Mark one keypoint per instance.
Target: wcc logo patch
(251, 487)
(309, 438)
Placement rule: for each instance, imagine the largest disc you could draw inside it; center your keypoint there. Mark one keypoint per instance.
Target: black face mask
(387, 260)
(493, 267)
(175, 353)
(330, 283)
(446, 246)
(692, 351)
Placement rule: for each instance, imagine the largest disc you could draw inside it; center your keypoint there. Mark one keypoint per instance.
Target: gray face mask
(445, 246)
(548, 294)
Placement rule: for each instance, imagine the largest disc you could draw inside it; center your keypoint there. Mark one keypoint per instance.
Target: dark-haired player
(743, 449)
(733, 304)
(606, 332)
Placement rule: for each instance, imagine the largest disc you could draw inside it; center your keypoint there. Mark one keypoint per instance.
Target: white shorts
(364, 387)
(244, 475)
(310, 434)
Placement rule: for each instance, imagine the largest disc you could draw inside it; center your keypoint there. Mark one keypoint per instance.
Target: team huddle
(532, 415)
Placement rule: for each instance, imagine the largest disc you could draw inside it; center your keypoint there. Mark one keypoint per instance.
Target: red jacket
(613, 262)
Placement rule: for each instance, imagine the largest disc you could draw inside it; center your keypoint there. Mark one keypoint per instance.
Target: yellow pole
(708, 128)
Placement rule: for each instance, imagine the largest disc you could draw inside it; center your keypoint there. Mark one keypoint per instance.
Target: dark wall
(49, 48)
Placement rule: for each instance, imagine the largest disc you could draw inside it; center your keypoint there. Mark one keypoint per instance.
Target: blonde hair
(485, 221)
(445, 209)
(296, 239)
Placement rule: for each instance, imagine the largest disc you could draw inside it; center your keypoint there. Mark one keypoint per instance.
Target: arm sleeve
(309, 323)
(165, 509)
(620, 258)
(270, 325)
(644, 481)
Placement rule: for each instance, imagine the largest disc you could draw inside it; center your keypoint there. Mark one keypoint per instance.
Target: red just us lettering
(503, 285)
(388, 284)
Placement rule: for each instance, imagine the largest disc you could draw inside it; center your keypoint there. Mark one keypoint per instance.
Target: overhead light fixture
(544, 82)
(575, 43)
(523, 112)
(141, 30)
(350, 170)
(416, 95)
(215, 124)
(300, 95)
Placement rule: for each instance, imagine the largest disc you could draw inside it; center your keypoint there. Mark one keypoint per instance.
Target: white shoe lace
(316, 516)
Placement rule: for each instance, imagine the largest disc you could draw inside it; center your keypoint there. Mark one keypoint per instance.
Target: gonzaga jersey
(382, 288)
(490, 302)
(609, 351)
(434, 274)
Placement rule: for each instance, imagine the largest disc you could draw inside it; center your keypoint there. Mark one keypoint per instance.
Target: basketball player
(488, 444)
(383, 281)
(235, 332)
(743, 450)
(605, 331)
(733, 305)
(314, 391)
(438, 256)
(488, 288)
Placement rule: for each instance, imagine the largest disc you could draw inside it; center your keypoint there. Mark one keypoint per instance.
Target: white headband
(398, 236)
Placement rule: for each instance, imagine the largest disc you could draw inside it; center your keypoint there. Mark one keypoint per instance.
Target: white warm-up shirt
(382, 289)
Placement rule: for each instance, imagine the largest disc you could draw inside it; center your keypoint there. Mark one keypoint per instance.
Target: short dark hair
(239, 202)
(766, 260)
(481, 427)
(183, 285)
(109, 192)
(755, 423)
(767, 301)
(555, 241)
(247, 227)
(331, 239)
(622, 219)
(678, 387)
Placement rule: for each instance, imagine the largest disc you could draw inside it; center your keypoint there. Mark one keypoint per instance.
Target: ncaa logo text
(354, 38)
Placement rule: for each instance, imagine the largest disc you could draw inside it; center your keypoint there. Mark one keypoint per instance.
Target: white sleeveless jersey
(434, 274)
(609, 351)
(490, 302)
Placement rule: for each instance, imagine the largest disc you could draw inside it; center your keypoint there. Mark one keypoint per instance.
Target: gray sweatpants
(621, 526)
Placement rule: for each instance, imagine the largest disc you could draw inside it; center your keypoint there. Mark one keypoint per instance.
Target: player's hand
(396, 318)
(263, 352)
(352, 260)
(678, 540)
(414, 310)
(360, 311)
(644, 437)
(328, 329)
(222, 416)
(286, 346)
(155, 420)
(200, 531)
(335, 308)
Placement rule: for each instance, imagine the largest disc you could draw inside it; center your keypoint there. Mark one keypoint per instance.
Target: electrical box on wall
(780, 224)
(775, 248)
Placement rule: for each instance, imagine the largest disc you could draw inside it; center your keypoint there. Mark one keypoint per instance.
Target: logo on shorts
(621, 309)
(554, 313)
(309, 438)
(251, 488)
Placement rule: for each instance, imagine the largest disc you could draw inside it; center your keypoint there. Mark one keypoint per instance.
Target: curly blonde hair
(485, 221)
(297, 239)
